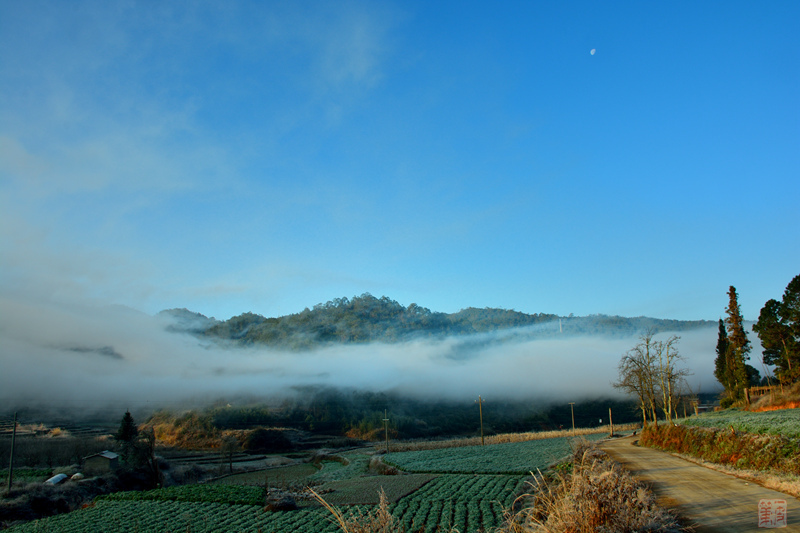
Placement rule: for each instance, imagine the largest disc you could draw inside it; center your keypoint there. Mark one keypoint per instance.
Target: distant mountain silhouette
(366, 318)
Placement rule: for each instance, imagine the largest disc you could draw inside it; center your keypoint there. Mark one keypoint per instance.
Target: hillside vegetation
(359, 415)
(366, 318)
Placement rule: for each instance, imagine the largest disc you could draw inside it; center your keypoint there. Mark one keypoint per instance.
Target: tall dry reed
(598, 495)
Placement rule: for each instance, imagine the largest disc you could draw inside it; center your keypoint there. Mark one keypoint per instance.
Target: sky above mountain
(631, 158)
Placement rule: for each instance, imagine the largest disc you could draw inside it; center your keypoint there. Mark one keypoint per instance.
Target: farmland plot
(226, 494)
(469, 503)
(274, 476)
(424, 501)
(332, 471)
(170, 516)
(784, 422)
(365, 490)
(508, 458)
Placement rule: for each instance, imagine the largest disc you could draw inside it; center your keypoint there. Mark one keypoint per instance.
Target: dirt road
(707, 499)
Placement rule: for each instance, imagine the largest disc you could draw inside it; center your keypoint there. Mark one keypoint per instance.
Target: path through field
(711, 501)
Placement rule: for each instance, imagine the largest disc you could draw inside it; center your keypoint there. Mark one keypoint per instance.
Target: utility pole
(611, 421)
(572, 409)
(386, 429)
(11, 459)
(480, 411)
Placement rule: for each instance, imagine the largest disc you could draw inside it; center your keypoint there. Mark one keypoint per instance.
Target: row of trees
(650, 372)
(778, 329)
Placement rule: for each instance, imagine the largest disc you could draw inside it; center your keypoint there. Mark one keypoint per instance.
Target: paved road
(711, 501)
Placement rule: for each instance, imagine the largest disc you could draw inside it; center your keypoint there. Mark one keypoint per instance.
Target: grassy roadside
(760, 452)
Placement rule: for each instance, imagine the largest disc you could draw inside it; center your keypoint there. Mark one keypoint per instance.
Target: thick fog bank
(91, 359)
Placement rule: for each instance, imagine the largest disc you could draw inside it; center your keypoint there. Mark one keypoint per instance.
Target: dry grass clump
(787, 397)
(598, 495)
(502, 438)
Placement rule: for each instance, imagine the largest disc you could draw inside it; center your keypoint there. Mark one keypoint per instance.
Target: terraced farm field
(467, 489)
(111, 516)
(274, 476)
(508, 458)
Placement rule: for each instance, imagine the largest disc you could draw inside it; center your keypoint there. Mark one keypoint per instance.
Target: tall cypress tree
(721, 362)
(739, 346)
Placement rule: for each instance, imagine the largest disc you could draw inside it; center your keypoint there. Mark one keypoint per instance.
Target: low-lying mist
(94, 359)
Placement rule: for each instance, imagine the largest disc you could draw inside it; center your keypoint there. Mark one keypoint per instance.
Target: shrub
(597, 496)
(266, 441)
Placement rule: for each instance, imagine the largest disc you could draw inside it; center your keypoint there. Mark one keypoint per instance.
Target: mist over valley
(86, 360)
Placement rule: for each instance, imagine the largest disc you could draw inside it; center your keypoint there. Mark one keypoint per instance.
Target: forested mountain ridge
(366, 318)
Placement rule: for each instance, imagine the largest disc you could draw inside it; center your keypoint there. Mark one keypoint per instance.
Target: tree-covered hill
(366, 318)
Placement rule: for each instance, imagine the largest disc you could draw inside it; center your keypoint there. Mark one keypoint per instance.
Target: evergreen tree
(790, 307)
(127, 431)
(720, 363)
(738, 346)
(778, 327)
(790, 311)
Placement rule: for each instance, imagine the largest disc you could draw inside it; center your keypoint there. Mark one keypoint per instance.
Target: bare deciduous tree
(649, 370)
(228, 447)
(671, 379)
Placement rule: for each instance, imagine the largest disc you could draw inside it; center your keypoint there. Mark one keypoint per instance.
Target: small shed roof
(106, 454)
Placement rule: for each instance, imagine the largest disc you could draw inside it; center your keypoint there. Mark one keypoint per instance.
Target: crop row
(228, 494)
(431, 517)
(507, 458)
(784, 422)
(468, 487)
(468, 503)
(173, 517)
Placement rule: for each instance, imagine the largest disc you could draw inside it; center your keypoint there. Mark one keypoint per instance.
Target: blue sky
(267, 156)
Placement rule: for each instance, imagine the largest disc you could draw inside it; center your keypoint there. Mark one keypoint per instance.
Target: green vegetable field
(465, 502)
(118, 516)
(464, 488)
(508, 458)
(784, 422)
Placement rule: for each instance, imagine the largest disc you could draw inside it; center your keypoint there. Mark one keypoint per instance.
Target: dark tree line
(340, 412)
